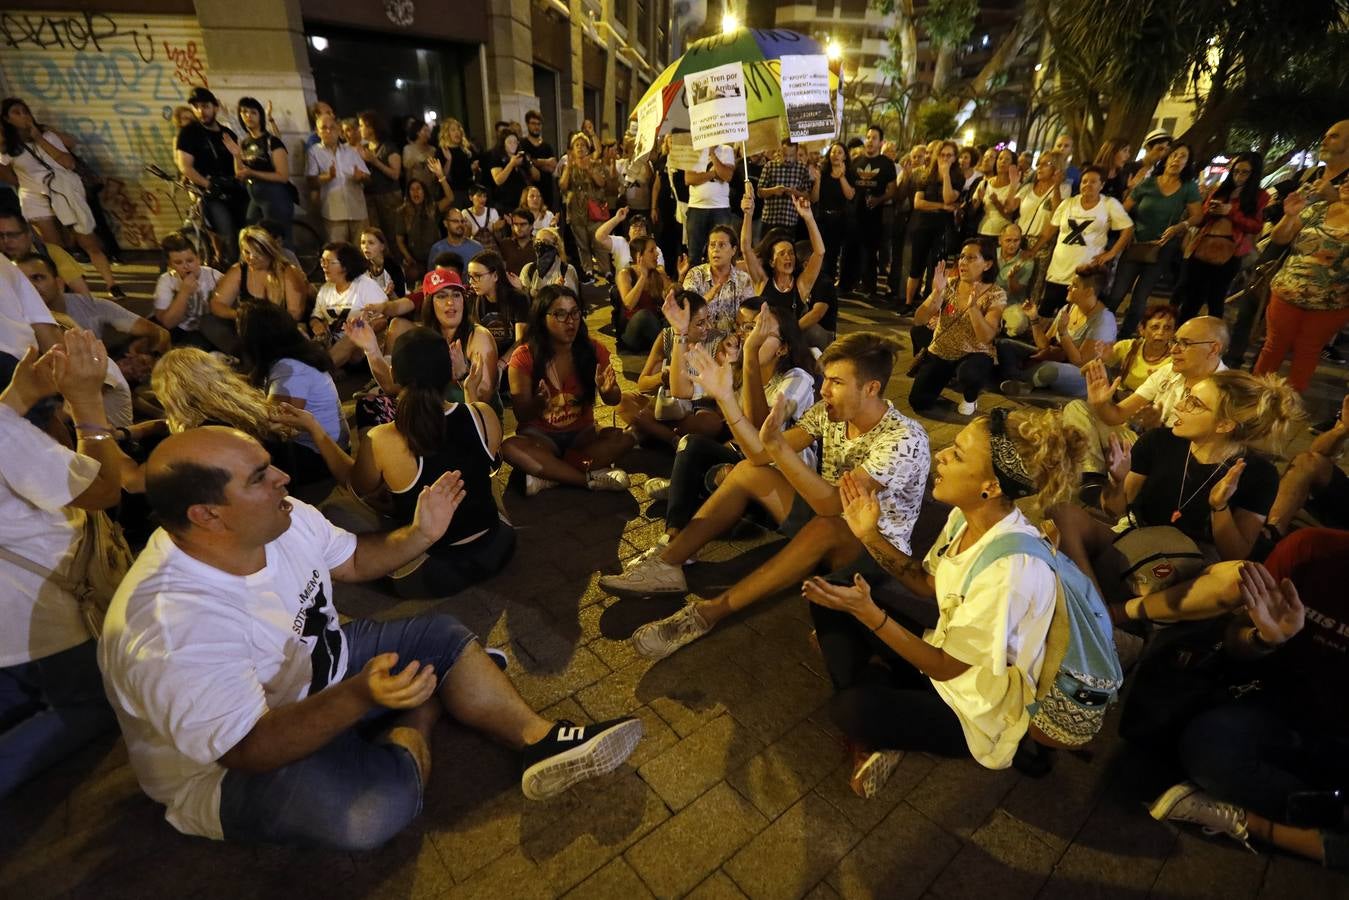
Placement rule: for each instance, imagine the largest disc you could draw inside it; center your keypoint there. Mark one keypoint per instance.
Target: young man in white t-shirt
(51, 698)
(183, 298)
(861, 434)
(1081, 225)
(240, 694)
(709, 200)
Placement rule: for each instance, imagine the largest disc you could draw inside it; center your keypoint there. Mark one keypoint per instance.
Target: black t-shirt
(831, 193)
(506, 196)
(257, 152)
(1165, 460)
(458, 172)
(542, 150)
(932, 192)
(871, 176)
(380, 183)
(500, 318)
(207, 149)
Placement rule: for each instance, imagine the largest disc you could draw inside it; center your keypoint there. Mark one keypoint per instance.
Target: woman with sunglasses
(555, 376)
(1233, 216)
(1201, 476)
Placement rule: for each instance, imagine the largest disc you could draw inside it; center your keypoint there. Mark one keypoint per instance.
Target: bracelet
(877, 629)
(95, 437)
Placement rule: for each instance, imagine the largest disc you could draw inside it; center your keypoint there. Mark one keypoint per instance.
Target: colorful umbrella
(759, 51)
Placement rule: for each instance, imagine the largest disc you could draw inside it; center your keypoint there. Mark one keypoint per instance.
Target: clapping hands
(713, 377)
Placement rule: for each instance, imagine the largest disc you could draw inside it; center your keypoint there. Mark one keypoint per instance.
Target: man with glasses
(517, 246)
(1196, 353)
(456, 240)
(541, 154)
(17, 240)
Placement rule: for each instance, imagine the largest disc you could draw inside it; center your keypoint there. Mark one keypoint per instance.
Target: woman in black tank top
(772, 265)
(441, 437)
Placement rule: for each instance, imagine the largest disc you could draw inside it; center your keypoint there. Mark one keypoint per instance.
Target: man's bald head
(193, 468)
(1336, 140)
(1212, 328)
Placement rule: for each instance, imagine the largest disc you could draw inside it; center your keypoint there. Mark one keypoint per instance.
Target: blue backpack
(1081, 676)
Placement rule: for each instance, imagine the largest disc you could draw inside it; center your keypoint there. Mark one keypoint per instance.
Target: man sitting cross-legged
(861, 433)
(250, 713)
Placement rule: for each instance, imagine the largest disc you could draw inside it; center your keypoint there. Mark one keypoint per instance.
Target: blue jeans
(355, 793)
(698, 224)
(1142, 278)
(49, 708)
(223, 218)
(1251, 755)
(270, 200)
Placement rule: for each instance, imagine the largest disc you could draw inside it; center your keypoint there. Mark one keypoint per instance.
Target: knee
(380, 811)
(849, 713)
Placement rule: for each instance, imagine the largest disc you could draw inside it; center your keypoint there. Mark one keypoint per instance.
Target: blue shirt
(467, 250)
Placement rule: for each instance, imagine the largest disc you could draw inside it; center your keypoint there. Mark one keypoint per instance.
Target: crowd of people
(182, 491)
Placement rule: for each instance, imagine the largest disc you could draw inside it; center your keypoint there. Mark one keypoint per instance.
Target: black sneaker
(572, 753)
(117, 292)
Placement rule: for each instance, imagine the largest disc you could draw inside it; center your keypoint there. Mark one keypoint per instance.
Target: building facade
(110, 73)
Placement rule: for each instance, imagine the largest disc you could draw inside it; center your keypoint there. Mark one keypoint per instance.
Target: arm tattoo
(907, 570)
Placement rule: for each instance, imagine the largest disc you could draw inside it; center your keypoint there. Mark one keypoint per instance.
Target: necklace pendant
(1175, 516)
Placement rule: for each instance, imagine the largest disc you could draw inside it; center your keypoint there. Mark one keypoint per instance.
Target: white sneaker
(657, 640)
(648, 575)
(1187, 803)
(873, 771)
(658, 488)
(967, 408)
(534, 484)
(610, 479)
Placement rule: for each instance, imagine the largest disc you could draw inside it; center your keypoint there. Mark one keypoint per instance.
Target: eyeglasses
(11, 235)
(477, 276)
(1191, 403)
(1186, 344)
(565, 315)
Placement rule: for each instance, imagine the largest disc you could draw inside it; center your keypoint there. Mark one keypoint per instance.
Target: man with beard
(204, 158)
(455, 241)
(542, 155)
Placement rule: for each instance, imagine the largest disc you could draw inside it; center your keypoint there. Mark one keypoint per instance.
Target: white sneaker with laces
(873, 772)
(1185, 802)
(658, 488)
(648, 575)
(534, 484)
(657, 640)
(610, 479)
(967, 408)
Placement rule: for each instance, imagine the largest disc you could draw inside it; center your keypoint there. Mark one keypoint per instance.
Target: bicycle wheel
(308, 247)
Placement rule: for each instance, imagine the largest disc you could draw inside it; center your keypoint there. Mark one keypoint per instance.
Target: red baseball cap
(438, 280)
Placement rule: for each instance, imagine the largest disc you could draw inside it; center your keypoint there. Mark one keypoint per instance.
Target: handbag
(65, 194)
(669, 408)
(597, 210)
(102, 562)
(1216, 242)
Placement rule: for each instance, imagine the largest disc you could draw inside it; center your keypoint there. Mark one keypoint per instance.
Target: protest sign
(717, 110)
(805, 96)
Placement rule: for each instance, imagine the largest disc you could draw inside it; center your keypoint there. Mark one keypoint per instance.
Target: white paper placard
(717, 110)
(805, 95)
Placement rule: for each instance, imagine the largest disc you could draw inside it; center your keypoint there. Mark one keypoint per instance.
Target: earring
(984, 494)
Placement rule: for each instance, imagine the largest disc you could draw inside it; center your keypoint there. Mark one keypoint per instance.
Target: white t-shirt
(360, 293)
(798, 387)
(21, 308)
(715, 193)
(193, 657)
(1082, 234)
(31, 172)
(894, 452)
(622, 253)
(478, 222)
(1035, 211)
(38, 480)
(994, 221)
(292, 378)
(198, 305)
(999, 629)
(1164, 389)
(342, 198)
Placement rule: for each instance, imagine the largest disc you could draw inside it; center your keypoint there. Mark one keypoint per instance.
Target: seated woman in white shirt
(961, 688)
(347, 288)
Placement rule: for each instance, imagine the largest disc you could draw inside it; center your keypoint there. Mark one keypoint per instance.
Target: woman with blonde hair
(532, 200)
(963, 687)
(1203, 477)
(550, 265)
(457, 155)
(263, 274)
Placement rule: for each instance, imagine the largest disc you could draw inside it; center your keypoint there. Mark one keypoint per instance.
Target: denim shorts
(354, 793)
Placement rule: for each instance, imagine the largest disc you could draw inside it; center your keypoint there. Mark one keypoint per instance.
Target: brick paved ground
(739, 788)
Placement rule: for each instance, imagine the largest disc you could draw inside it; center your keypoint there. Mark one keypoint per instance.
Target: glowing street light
(833, 50)
(729, 22)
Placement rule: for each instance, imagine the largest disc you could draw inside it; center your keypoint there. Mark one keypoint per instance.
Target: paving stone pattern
(739, 788)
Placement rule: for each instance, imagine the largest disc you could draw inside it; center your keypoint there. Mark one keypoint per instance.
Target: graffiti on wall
(110, 81)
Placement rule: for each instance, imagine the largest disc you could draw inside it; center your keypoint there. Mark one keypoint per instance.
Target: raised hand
(33, 379)
(1118, 459)
(715, 378)
(765, 327)
(770, 433)
(622, 214)
(231, 145)
(79, 369)
(362, 334)
(682, 266)
(1227, 486)
(436, 505)
(435, 168)
(606, 380)
(939, 278)
(294, 417)
(409, 688)
(1100, 389)
(458, 362)
(802, 204)
(854, 600)
(861, 506)
(676, 313)
(1274, 607)
(1294, 203)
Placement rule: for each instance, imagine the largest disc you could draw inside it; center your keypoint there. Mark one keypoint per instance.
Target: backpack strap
(1008, 545)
